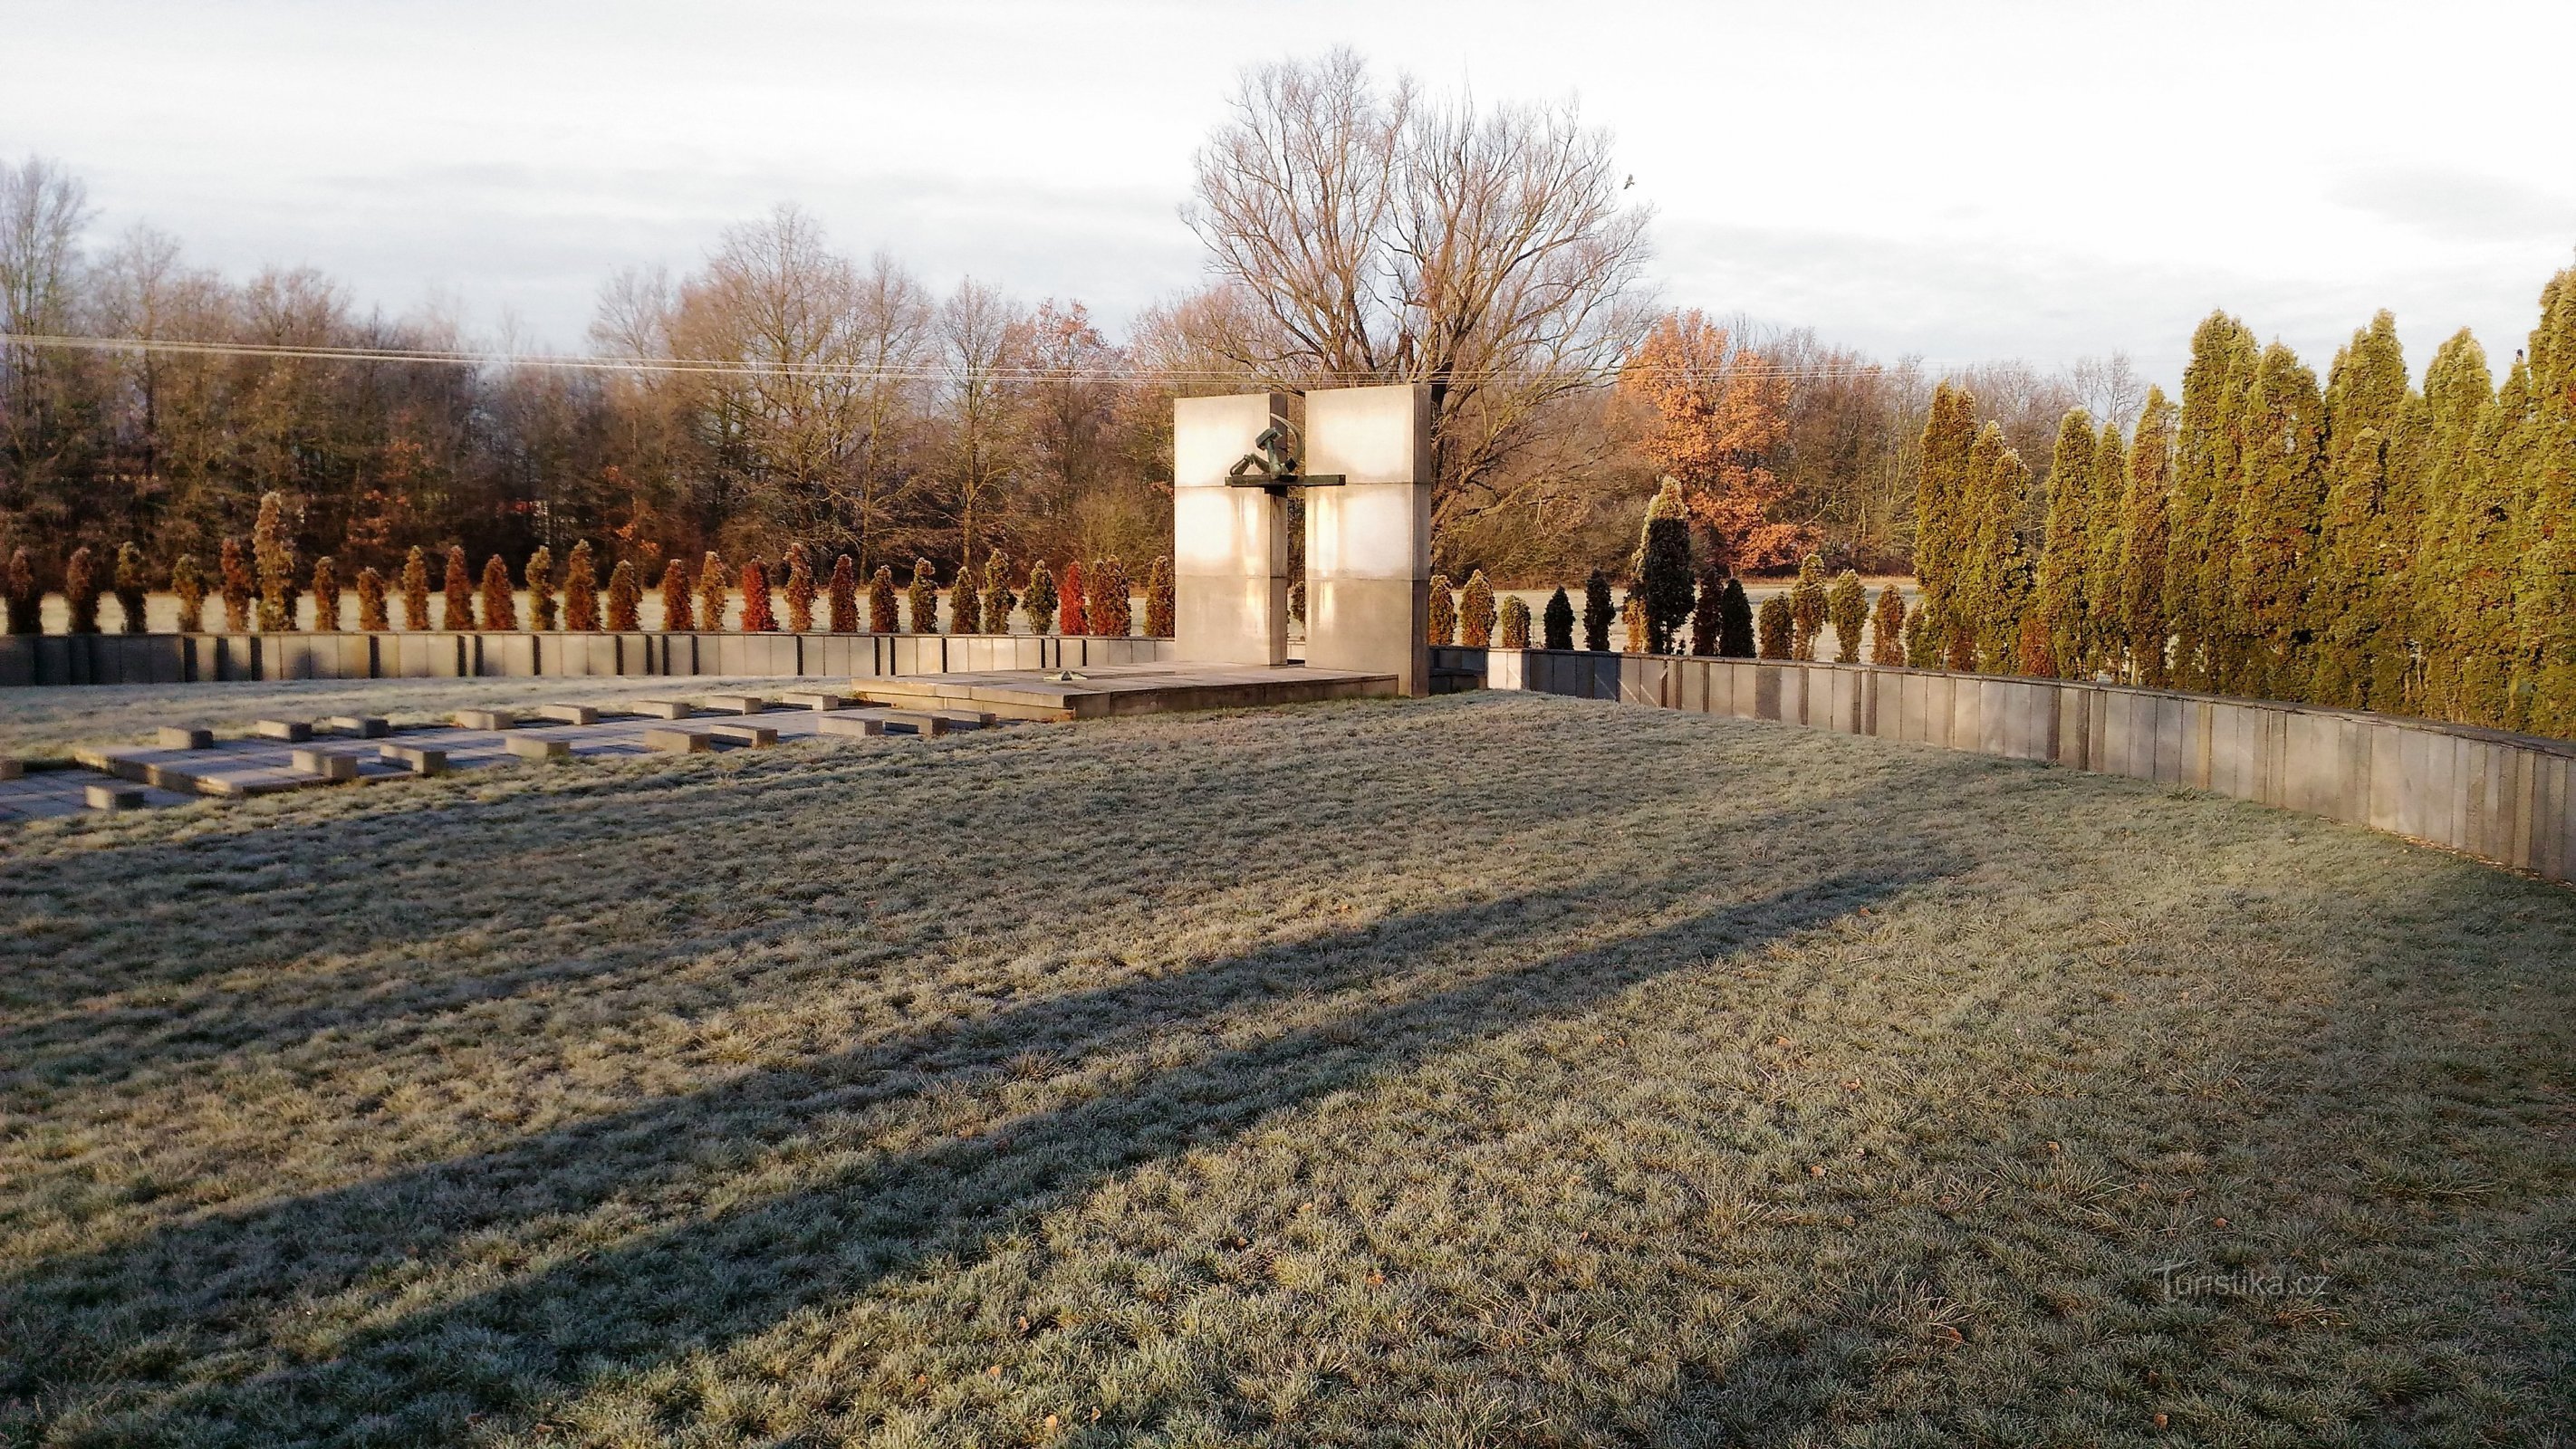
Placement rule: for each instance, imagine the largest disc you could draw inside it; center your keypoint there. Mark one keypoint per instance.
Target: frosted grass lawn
(1481, 1070)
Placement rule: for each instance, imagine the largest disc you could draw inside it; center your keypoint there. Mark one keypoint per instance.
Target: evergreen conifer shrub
(543, 610)
(1777, 627)
(190, 586)
(1038, 600)
(1558, 620)
(715, 592)
(759, 611)
(1807, 607)
(2145, 539)
(844, 595)
(1476, 612)
(1847, 606)
(2037, 655)
(1598, 611)
(1922, 640)
(80, 590)
(1735, 622)
(272, 546)
(881, 596)
(581, 589)
(1297, 602)
(921, 599)
(458, 616)
(1516, 621)
(625, 599)
(24, 595)
(1442, 627)
(326, 594)
(499, 605)
(1705, 609)
(1113, 613)
(1889, 629)
(235, 585)
(415, 589)
(998, 598)
(133, 585)
(371, 602)
(1632, 623)
(965, 610)
(679, 614)
(800, 591)
(1158, 599)
(1663, 567)
(1072, 610)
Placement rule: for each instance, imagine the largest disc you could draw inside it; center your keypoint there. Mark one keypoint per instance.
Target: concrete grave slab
(415, 758)
(292, 730)
(328, 764)
(677, 742)
(364, 726)
(183, 737)
(662, 708)
(485, 719)
(756, 736)
(111, 797)
(538, 747)
(571, 714)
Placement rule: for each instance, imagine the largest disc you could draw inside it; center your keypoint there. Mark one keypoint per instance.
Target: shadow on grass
(219, 1288)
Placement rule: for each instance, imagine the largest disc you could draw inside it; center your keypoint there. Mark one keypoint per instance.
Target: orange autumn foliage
(1719, 412)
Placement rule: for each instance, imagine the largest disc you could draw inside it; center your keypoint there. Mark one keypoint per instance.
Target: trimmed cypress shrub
(459, 614)
(625, 600)
(272, 546)
(1923, 641)
(800, 591)
(1117, 601)
(1158, 599)
(1297, 601)
(190, 586)
(235, 585)
(715, 592)
(1807, 607)
(759, 614)
(1442, 627)
(1889, 629)
(2144, 541)
(1735, 622)
(679, 615)
(1704, 611)
(921, 599)
(2037, 655)
(1516, 622)
(2279, 512)
(80, 590)
(1776, 627)
(2208, 447)
(1597, 612)
(1039, 601)
(881, 605)
(2067, 547)
(25, 597)
(1476, 612)
(415, 589)
(1663, 568)
(1632, 623)
(2106, 636)
(371, 602)
(1072, 611)
(1558, 620)
(1847, 605)
(998, 598)
(844, 595)
(1942, 527)
(581, 590)
(132, 587)
(499, 605)
(965, 610)
(543, 614)
(326, 594)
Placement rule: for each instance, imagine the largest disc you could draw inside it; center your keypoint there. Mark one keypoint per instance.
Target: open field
(1480, 1070)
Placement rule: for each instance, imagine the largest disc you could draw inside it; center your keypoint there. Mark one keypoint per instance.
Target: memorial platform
(1124, 689)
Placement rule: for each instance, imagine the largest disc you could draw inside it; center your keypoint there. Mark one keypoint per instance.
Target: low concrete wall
(48, 659)
(2509, 798)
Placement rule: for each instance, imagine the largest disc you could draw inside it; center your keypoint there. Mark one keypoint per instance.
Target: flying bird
(1632, 180)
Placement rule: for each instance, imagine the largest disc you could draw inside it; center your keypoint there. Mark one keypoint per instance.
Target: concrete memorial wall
(1368, 538)
(1229, 543)
(2508, 798)
(52, 659)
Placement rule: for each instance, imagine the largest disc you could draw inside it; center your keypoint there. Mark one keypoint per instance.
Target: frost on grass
(1476, 1070)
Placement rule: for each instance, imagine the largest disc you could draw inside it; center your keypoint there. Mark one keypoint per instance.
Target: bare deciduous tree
(1366, 236)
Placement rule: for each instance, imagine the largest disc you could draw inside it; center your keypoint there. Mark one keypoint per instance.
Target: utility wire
(847, 372)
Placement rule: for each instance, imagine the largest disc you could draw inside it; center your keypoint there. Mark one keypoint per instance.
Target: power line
(843, 372)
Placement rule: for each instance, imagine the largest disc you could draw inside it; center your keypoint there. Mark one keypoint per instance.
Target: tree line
(2361, 542)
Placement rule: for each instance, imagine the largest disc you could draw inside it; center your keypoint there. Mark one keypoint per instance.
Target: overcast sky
(1958, 180)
